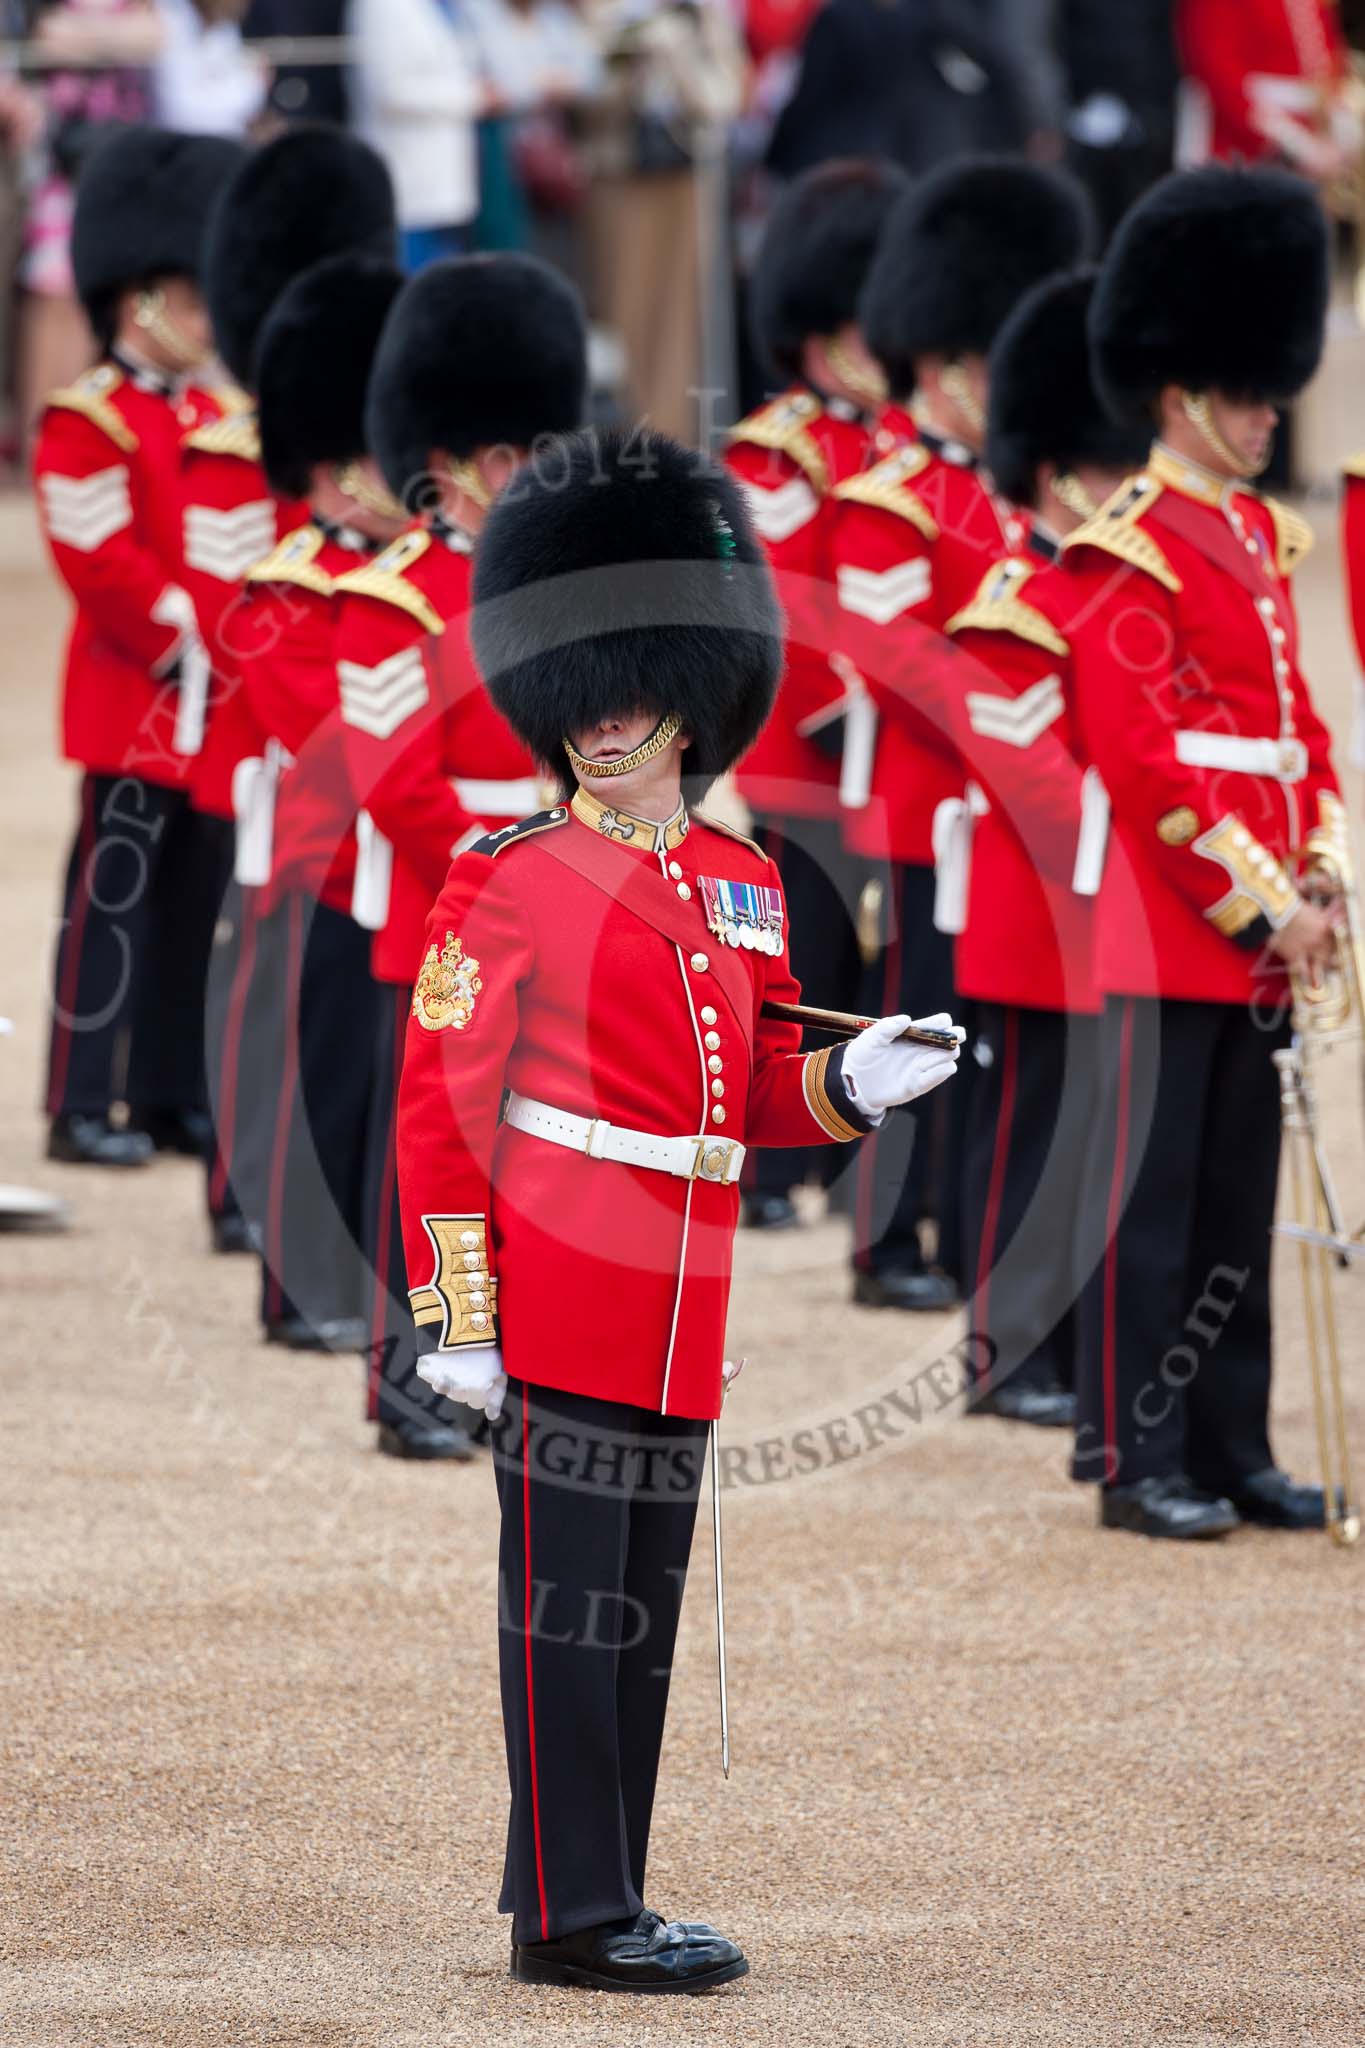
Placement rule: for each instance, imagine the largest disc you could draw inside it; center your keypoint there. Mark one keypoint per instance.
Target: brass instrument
(1328, 1011)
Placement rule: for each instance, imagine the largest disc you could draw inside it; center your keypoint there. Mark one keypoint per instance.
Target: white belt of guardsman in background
(374, 853)
(1286, 760)
(701, 1158)
(175, 607)
(255, 786)
(954, 822)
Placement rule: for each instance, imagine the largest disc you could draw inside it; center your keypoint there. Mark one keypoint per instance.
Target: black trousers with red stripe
(312, 1213)
(1029, 1241)
(598, 1505)
(1173, 1371)
(911, 1169)
(821, 881)
(394, 1393)
(144, 885)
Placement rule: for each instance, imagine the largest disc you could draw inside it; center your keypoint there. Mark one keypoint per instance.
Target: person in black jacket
(912, 80)
(1120, 75)
(303, 92)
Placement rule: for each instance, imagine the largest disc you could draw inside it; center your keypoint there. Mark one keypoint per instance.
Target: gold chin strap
(662, 737)
(860, 377)
(1074, 495)
(1199, 413)
(953, 381)
(151, 316)
(351, 480)
(466, 478)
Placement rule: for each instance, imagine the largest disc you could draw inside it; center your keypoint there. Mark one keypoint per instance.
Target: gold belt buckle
(712, 1158)
(1293, 760)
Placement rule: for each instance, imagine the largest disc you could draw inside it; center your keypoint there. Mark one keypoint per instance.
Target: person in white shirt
(417, 93)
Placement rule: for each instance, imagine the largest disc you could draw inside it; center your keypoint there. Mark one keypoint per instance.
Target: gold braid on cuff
(663, 736)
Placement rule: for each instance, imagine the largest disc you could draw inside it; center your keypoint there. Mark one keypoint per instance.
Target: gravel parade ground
(1000, 1780)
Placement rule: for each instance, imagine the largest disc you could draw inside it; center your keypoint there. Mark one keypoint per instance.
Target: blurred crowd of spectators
(635, 142)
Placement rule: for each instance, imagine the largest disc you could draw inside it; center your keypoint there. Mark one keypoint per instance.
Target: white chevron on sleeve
(227, 544)
(1016, 721)
(83, 512)
(883, 595)
(377, 700)
(782, 511)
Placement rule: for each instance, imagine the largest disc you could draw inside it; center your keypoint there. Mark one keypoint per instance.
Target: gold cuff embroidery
(818, 1099)
(1330, 838)
(1261, 886)
(461, 1296)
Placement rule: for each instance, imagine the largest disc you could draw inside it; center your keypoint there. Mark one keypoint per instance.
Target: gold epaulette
(1114, 528)
(1354, 465)
(91, 397)
(236, 434)
(294, 561)
(382, 579)
(729, 832)
(998, 608)
(785, 424)
(495, 843)
(884, 486)
(1293, 535)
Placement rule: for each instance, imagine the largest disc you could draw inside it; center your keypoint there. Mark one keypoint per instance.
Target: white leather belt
(703, 1158)
(1286, 760)
(498, 799)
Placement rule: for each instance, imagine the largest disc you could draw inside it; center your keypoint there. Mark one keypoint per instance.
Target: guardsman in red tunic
(308, 195)
(310, 1025)
(1268, 80)
(1191, 706)
(145, 877)
(1024, 952)
(1353, 570)
(789, 455)
(588, 1058)
(914, 535)
(482, 358)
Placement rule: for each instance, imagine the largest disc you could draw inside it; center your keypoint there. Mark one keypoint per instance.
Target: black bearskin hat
(620, 573)
(1043, 406)
(143, 206)
(1217, 280)
(313, 366)
(309, 194)
(958, 253)
(481, 351)
(817, 249)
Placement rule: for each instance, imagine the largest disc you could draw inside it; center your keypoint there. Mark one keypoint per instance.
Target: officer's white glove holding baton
(881, 1069)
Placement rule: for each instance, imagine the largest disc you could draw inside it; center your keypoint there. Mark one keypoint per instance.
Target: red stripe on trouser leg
(232, 1048)
(530, 1687)
(864, 1204)
(284, 1115)
(383, 1241)
(69, 985)
(995, 1187)
(1111, 1226)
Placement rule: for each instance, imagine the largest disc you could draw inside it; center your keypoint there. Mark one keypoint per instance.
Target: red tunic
(789, 456)
(595, 1277)
(106, 467)
(912, 539)
(232, 520)
(1353, 549)
(1255, 71)
(431, 762)
(1190, 702)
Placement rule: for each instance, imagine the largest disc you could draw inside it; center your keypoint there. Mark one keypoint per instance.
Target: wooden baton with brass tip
(842, 1024)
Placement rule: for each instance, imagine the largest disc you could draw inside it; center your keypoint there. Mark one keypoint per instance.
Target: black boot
(645, 1954)
(1170, 1505)
(79, 1140)
(426, 1441)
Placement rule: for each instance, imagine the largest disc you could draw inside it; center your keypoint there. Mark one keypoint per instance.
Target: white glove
(472, 1373)
(880, 1070)
(729, 1373)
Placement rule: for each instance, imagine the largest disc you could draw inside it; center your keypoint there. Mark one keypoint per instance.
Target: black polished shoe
(296, 1333)
(916, 1289)
(1167, 1506)
(187, 1131)
(93, 1141)
(426, 1440)
(1042, 1407)
(232, 1233)
(770, 1212)
(1275, 1501)
(645, 1954)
